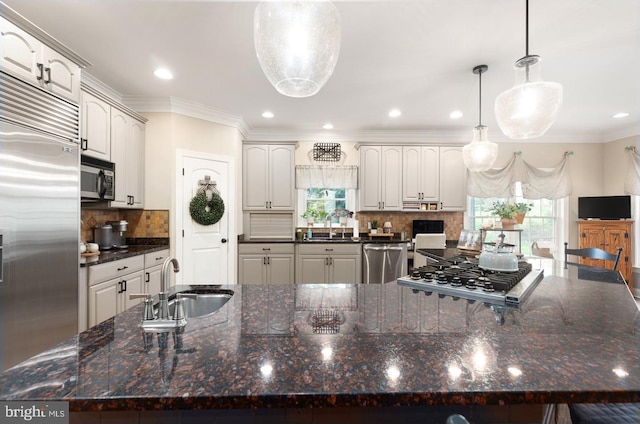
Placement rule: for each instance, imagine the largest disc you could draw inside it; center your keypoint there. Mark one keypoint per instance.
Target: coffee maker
(117, 237)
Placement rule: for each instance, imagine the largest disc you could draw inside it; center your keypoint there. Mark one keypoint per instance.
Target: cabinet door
(429, 175)
(133, 284)
(391, 195)
(453, 179)
(251, 269)
(255, 186)
(370, 177)
(344, 269)
(20, 52)
(591, 236)
(280, 269)
(103, 301)
(152, 280)
(311, 269)
(135, 164)
(281, 177)
(616, 236)
(62, 76)
(119, 139)
(95, 123)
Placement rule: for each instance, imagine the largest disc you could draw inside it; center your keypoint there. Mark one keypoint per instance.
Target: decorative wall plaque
(326, 152)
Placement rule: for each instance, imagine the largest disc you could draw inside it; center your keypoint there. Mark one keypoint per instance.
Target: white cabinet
(29, 59)
(268, 177)
(127, 153)
(152, 270)
(380, 178)
(266, 263)
(326, 263)
(95, 127)
(420, 173)
(453, 179)
(110, 284)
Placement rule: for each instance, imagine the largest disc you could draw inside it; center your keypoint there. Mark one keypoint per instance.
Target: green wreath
(199, 212)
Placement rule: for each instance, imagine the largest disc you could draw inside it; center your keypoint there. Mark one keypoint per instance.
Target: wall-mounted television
(604, 207)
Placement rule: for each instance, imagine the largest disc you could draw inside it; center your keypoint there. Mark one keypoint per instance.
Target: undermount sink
(209, 300)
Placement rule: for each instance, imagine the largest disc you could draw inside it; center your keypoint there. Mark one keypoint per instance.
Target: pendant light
(297, 44)
(529, 108)
(480, 154)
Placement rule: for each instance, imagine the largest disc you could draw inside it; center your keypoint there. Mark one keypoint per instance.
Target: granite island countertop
(575, 339)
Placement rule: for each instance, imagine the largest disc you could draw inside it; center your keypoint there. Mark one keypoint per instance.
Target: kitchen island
(338, 347)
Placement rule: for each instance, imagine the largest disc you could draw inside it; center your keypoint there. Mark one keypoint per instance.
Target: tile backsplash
(142, 223)
(403, 221)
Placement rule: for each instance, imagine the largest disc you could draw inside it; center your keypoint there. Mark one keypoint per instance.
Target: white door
(204, 253)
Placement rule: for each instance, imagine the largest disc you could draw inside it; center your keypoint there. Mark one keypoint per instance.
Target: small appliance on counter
(103, 235)
(118, 238)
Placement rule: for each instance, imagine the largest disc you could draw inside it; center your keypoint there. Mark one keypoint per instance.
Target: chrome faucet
(163, 307)
(330, 233)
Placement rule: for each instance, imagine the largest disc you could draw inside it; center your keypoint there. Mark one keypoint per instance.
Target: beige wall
(615, 161)
(167, 132)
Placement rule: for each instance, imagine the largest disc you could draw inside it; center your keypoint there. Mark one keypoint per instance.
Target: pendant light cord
(526, 26)
(480, 98)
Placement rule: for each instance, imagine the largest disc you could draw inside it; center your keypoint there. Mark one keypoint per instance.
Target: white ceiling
(416, 56)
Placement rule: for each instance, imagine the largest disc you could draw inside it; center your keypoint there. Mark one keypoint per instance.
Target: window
(322, 202)
(541, 224)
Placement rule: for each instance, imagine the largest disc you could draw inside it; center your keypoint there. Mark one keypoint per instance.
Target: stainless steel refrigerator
(39, 220)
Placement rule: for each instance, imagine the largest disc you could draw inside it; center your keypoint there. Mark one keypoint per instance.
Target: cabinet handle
(48, 71)
(120, 285)
(123, 268)
(266, 248)
(264, 260)
(84, 145)
(147, 277)
(382, 205)
(441, 206)
(159, 258)
(124, 285)
(268, 260)
(41, 69)
(328, 249)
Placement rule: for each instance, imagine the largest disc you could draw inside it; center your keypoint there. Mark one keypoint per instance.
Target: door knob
(224, 240)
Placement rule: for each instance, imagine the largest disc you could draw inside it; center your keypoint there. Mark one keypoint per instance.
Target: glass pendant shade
(529, 108)
(480, 154)
(297, 44)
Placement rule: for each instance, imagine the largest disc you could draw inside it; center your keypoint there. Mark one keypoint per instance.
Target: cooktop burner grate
(461, 277)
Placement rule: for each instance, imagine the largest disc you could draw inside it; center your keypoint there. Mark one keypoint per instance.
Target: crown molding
(187, 108)
(91, 82)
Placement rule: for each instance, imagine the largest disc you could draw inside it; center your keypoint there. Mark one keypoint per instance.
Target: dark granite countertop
(136, 248)
(335, 239)
(575, 339)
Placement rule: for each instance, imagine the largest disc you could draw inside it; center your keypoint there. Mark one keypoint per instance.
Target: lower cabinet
(153, 269)
(266, 263)
(326, 263)
(110, 285)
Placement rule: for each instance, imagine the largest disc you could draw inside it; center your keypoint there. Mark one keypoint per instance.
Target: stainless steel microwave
(97, 179)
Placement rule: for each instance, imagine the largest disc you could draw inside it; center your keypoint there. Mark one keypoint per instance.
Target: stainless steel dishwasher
(383, 262)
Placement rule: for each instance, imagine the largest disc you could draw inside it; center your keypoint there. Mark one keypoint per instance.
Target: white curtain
(536, 183)
(317, 176)
(632, 181)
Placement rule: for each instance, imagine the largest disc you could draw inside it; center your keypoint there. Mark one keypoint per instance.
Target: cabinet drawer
(115, 269)
(155, 258)
(265, 248)
(329, 249)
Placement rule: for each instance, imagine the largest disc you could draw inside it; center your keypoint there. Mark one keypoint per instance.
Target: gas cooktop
(461, 277)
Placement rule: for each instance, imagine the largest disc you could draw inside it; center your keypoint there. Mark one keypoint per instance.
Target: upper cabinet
(420, 173)
(33, 61)
(127, 153)
(95, 127)
(268, 177)
(453, 179)
(380, 178)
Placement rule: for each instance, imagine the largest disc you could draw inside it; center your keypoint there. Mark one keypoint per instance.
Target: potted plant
(506, 212)
(374, 226)
(342, 215)
(309, 216)
(521, 210)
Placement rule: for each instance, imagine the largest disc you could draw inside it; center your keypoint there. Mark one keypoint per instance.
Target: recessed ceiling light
(456, 114)
(328, 126)
(267, 114)
(163, 73)
(621, 115)
(394, 113)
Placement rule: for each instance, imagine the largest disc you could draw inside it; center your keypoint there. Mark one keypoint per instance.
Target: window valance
(632, 180)
(536, 183)
(317, 176)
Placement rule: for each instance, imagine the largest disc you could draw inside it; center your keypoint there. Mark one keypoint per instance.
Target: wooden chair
(593, 253)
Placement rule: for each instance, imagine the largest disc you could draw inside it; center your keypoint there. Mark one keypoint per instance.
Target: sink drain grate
(326, 321)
